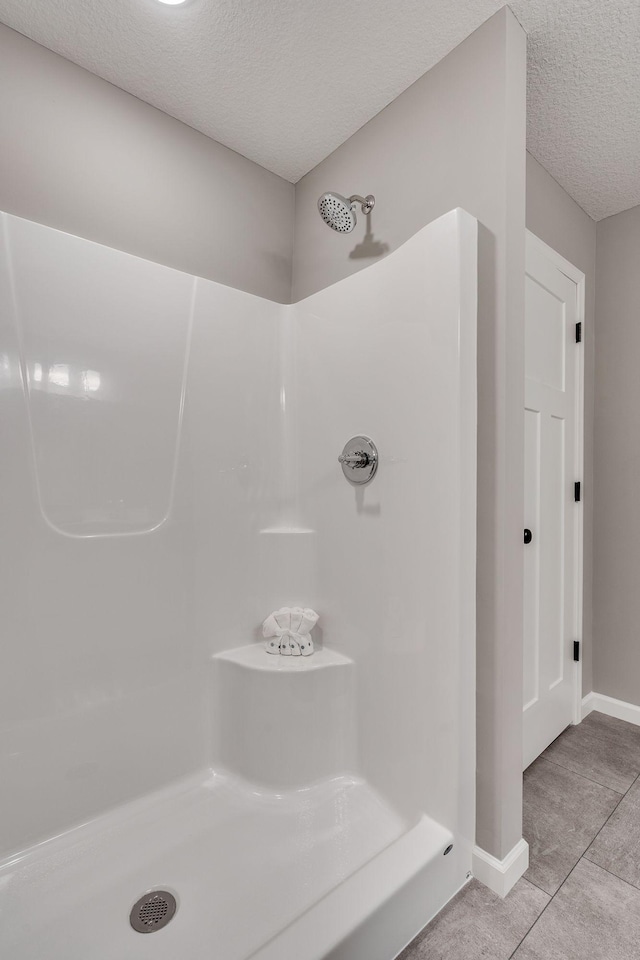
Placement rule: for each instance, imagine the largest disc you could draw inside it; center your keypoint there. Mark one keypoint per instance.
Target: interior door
(551, 463)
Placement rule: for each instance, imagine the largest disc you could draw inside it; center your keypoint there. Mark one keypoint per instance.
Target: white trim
(612, 707)
(501, 875)
(579, 526)
(564, 265)
(578, 277)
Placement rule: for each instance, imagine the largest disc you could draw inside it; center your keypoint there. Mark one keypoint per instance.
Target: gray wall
(84, 156)
(616, 592)
(457, 138)
(558, 220)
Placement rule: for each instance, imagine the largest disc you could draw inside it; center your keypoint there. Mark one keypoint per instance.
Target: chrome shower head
(340, 213)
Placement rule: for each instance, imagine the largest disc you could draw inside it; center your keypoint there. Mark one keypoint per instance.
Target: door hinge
(577, 491)
(576, 650)
(579, 332)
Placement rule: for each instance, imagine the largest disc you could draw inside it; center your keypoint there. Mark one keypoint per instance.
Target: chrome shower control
(359, 460)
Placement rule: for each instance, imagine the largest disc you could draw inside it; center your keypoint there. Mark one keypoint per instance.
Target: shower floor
(243, 865)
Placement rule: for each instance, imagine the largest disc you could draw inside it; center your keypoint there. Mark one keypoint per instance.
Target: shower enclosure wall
(169, 478)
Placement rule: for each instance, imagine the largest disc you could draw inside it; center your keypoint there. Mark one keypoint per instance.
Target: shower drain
(153, 911)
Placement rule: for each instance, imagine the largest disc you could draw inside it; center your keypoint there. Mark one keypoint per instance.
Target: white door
(553, 452)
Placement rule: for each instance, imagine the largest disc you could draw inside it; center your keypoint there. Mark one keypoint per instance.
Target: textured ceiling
(284, 82)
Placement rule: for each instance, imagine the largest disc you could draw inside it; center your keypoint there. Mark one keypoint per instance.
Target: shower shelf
(283, 722)
(253, 656)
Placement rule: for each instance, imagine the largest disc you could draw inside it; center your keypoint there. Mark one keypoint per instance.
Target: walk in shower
(170, 477)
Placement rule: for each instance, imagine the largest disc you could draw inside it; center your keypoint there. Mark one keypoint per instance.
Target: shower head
(340, 213)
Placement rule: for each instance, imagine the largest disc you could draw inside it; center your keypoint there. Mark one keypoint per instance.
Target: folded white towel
(290, 644)
(273, 645)
(283, 618)
(287, 631)
(309, 620)
(270, 628)
(297, 614)
(306, 645)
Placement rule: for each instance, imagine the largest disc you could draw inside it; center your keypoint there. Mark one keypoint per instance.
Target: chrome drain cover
(153, 911)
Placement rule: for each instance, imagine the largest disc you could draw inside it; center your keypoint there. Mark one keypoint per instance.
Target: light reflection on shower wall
(128, 522)
(104, 341)
(231, 453)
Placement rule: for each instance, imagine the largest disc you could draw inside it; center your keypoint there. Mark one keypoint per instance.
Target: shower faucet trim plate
(359, 459)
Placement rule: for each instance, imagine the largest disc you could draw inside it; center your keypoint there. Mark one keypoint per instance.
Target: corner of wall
(501, 875)
(616, 529)
(461, 135)
(87, 158)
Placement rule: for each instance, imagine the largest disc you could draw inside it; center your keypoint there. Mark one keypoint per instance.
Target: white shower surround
(185, 484)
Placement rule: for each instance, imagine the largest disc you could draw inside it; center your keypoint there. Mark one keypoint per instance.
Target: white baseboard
(501, 875)
(612, 707)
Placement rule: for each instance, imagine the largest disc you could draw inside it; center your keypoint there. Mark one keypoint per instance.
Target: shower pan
(172, 467)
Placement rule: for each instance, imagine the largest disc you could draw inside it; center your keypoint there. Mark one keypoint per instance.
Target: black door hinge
(576, 650)
(577, 491)
(579, 332)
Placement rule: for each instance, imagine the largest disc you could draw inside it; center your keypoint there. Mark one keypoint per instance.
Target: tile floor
(580, 897)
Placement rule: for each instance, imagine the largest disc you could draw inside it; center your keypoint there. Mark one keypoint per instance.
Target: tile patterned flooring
(580, 897)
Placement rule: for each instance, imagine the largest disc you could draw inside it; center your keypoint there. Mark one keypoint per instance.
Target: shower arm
(366, 203)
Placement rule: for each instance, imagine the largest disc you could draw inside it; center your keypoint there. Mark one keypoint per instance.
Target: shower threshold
(292, 876)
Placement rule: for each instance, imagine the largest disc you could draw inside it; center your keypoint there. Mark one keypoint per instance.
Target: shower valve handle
(357, 459)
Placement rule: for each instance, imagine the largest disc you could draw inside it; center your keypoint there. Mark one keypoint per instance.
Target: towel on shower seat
(287, 631)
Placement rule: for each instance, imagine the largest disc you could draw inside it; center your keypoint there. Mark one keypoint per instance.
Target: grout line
(609, 872)
(536, 885)
(547, 904)
(582, 857)
(590, 779)
(612, 813)
(551, 899)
